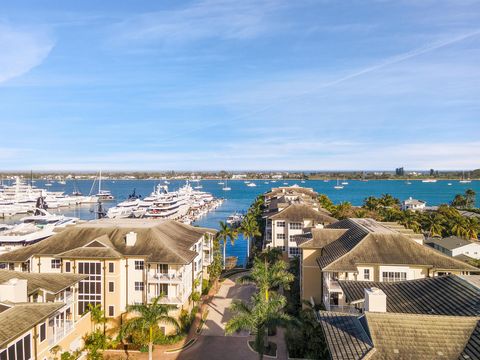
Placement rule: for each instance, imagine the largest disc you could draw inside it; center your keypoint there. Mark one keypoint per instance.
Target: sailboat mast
(100, 182)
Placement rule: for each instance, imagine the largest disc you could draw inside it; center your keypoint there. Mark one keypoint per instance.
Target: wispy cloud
(21, 50)
(203, 19)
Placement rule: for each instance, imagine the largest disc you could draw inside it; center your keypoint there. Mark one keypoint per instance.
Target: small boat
(338, 186)
(166, 182)
(344, 182)
(266, 182)
(408, 183)
(198, 187)
(429, 181)
(464, 181)
(220, 183)
(226, 187)
(285, 183)
(325, 181)
(449, 184)
(235, 219)
(251, 184)
(48, 184)
(303, 181)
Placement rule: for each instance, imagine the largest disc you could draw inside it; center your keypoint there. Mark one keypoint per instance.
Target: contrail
(391, 61)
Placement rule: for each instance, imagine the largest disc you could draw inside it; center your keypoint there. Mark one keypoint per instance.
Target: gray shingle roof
(472, 349)
(450, 243)
(301, 212)
(318, 238)
(442, 295)
(369, 242)
(165, 241)
(345, 336)
(53, 283)
(20, 318)
(412, 336)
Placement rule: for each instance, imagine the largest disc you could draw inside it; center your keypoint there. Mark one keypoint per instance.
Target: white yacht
(338, 186)
(226, 187)
(252, 184)
(235, 219)
(429, 181)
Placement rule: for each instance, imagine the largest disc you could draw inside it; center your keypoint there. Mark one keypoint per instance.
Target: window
(3, 265)
(90, 289)
(21, 350)
(111, 310)
(294, 251)
(139, 264)
(68, 266)
(139, 286)
(281, 247)
(392, 276)
(296, 226)
(163, 290)
(366, 274)
(43, 332)
(111, 286)
(162, 268)
(56, 263)
(291, 238)
(280, 236)
(111, 267)
(280, 223)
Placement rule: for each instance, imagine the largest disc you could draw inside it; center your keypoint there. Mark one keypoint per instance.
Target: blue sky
(210, 84)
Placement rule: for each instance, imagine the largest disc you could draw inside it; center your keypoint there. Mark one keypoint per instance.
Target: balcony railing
(174, 300)
(59, 332)
(162, 277)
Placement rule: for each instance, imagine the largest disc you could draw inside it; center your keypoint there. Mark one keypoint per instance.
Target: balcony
(171, 300)
(346, 309)
(57, 333)
(172, 278)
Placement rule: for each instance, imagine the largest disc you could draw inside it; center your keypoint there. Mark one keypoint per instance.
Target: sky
(251, 84)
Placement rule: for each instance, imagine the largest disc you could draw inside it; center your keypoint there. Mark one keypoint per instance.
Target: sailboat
(104, 195)
(344, 182)
(226, 187)
(464, 181)
(338, 186)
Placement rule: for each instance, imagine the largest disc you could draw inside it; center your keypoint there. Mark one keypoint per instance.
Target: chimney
(131, 238)
(375, 300)
(14, 290)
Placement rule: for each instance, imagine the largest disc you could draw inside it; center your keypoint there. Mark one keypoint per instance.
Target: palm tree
(433, 224)
(267, 276)
(458, 228)
(149, 316)
(257, 317)
(226, 232)
(249, 230)
(470, 198)
(410, 220)
(472, 228)
(388, 200)
(371, 203)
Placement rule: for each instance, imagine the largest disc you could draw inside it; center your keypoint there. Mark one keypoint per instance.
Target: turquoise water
(241, 196)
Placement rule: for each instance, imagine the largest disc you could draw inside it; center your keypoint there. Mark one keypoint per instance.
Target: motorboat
(251, 184)
(235, 219)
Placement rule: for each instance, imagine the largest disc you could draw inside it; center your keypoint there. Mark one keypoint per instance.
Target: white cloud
(21, 50)
(201, 20)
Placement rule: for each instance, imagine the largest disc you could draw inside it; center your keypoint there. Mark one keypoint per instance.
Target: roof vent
(375, 300)
(131, 238)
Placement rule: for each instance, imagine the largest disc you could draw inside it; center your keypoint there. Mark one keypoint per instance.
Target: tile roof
(301, 212)
(345, 336)
(52, 283)
(20, 318)
(400, 336)
(164, 241)
(318, 238)
(368, 242)
(442, 295)
(412, 336)
(451, 242)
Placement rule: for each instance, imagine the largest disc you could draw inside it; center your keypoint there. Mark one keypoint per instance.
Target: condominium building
(127, 261)
(365, 250)
(38, 312)
(291, 211)
(431, 318)
(455, 246)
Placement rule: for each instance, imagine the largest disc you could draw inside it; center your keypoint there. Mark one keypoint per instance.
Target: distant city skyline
(226, 85)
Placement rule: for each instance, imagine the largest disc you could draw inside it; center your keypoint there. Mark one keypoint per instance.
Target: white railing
(166, 300)
(165, 277)
(59, 332)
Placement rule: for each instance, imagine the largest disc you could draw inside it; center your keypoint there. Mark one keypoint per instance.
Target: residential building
(39, 312)
(456, 246)
(128, 261)
(431, 318)
(366, 250)
(290, 211)
(413, 204)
